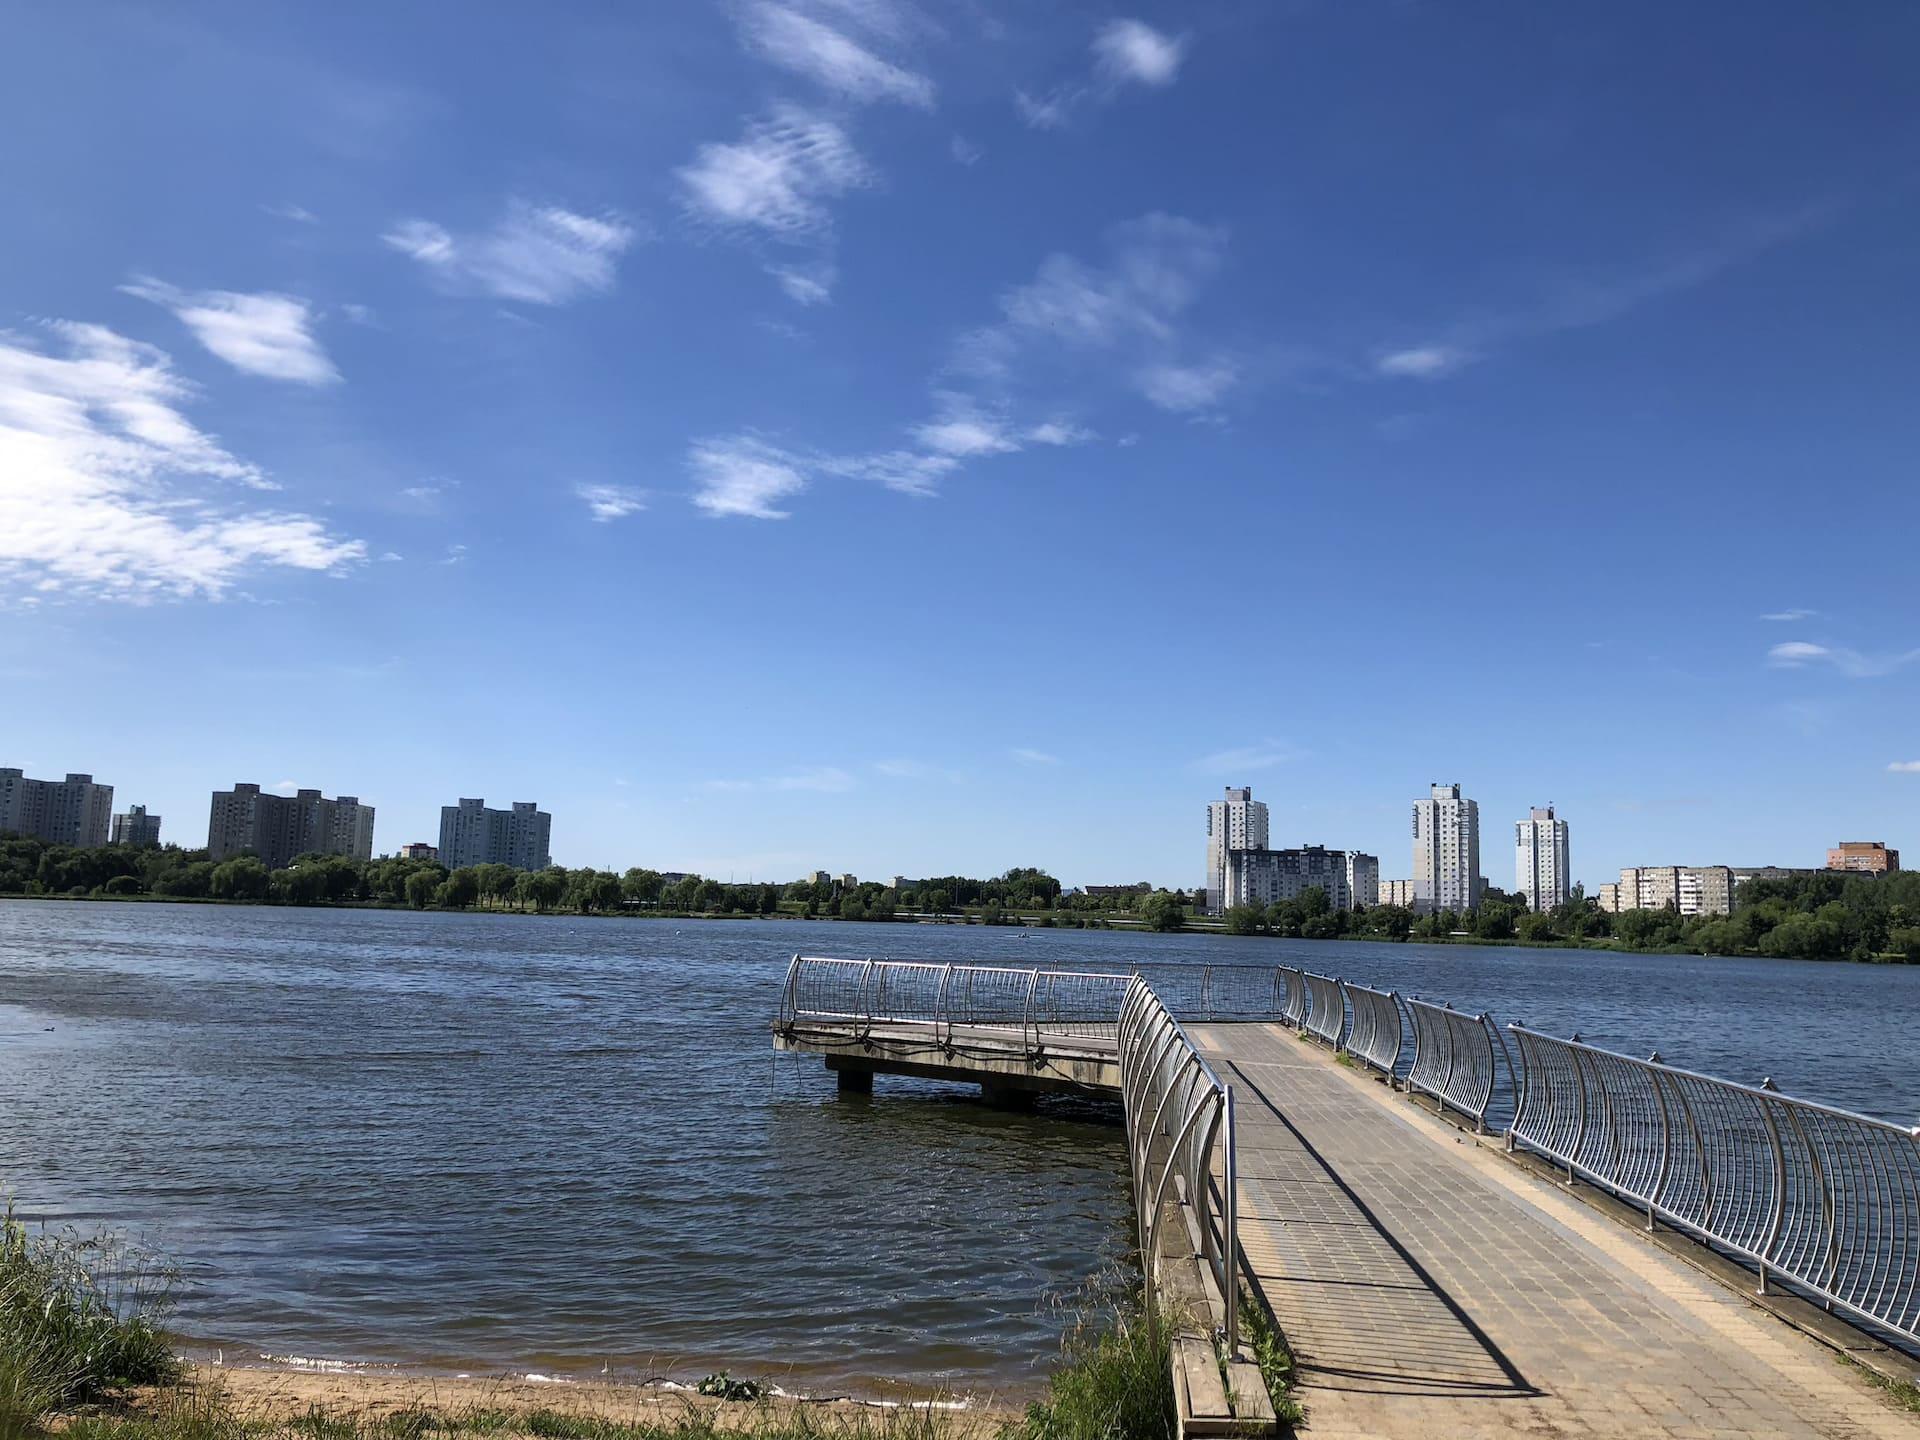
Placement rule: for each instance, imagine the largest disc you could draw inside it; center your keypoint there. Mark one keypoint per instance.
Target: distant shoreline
(1016, 923)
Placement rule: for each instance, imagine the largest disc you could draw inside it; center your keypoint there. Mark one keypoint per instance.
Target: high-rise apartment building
(1540, 860)
(1265, 877)
(1363, 879)
(73, 811)
(1238, 822)
(137, 828)
(279, 827)
(1446, 851)
(1870, 857)
(472, 834)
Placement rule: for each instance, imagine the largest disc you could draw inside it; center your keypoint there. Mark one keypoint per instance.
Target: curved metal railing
(1326, 1008)
(1294, 1006)
(1827, 1199)
(1455, 1059)
(1179, 1120)
(1376, 1036)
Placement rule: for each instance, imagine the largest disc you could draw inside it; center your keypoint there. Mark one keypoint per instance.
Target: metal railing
(1824, 1198)
(1454, 1059)
(1294, 1007)
(1043, 1005)
(1326, 1008)
(1377, 1035)
(1179, 1119)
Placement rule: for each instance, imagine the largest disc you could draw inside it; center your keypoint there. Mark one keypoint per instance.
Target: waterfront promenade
(1429, 1283)
(1430, 1287)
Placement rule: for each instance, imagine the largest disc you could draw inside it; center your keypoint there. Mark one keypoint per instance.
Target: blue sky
(922, 438)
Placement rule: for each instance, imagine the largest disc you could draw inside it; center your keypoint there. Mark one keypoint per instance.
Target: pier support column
(1006, 1097)
(854, 1080)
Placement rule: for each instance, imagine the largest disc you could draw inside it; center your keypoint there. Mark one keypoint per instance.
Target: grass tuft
(80, 1317)
(1112, 1382)
(1271, 1354)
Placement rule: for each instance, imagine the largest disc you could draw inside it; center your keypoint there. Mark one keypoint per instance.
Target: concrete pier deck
(1431, 1288)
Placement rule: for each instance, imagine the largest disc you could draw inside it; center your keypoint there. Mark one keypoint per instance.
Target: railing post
(866, 1005)
(940, 1005)
(1028, 1024)
(1230, 1203)
(1779, 1185)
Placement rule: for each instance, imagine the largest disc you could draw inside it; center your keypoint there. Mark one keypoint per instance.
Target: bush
(1112, 1382)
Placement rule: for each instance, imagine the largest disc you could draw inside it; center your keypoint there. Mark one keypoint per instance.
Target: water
(501, 1143)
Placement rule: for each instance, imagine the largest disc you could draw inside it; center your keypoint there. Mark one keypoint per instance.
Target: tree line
(1835, 915)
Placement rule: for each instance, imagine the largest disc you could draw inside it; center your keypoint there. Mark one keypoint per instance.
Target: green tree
(460, 889)
(1245, 919)
(1160, 911)
(642, 887)
(242, 878)
(421, 887)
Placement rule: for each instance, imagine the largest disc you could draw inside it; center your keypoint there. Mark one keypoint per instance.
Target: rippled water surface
(519, 1143)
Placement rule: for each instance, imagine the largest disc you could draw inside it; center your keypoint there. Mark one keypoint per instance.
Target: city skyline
(783, 436)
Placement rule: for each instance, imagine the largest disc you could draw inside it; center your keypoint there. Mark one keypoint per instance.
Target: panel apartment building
(1685, 889)
(73, 811)
(279, 827)
(472, 834)
(1266, 877)
(1446, 851)
(1540, 860)
(1867, 857)
(137, 828)
(1238, 822)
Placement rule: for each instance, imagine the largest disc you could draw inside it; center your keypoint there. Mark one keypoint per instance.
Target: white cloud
(266, 335)
(1798, 654)
(743, 475)
(359, 314)
(1128, 50)
(806, 284)
(1183, 388)
(777, 177)
(1421, 362)
(962, 431)
(1787, 616)
(1263, 756)
(454, 555)
(830, 59)
(542, 255)
(97, 462)
(297, 213)
(964, 151)
(908, 472)
(1027, 756)
(1125, 52)
(611, 502)
(1905, 767)
(1059, 432)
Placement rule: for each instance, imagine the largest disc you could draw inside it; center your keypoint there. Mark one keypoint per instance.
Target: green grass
(1112, 1383)
(80, 1316)
(1903, 1394)
(1271, 1354)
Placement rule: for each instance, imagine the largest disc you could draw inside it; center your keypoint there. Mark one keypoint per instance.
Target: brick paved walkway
(1431, 1289)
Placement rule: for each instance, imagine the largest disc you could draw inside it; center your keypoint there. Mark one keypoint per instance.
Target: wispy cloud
(1124, 53)
(831, 59)
(1904, 767)
(541, 255)
(1788, 616)
(808, 284)
(1263, 756)
(915, 770)
(819, 779)
(1028, 756)
(97, 468)
(963, 430)
(1187, 388)
(1422, 362)
(1576, 300)
(777, 177)
(741, 475)
(611, 502)
(299, 214)
(964, 151)
(1799, 654)
(267, 335)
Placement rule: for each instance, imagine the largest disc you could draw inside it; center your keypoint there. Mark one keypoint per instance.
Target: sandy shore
(270, 1396)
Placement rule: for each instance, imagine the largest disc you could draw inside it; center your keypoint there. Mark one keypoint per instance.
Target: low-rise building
(1266, 877)
(1116, 892)
(73, 811)
(1684, 889)
(1397, 892)
(418, 850)
(136, 828)
(1870, 857)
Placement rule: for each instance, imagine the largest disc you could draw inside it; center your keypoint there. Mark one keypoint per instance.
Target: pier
(1461, 1228)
